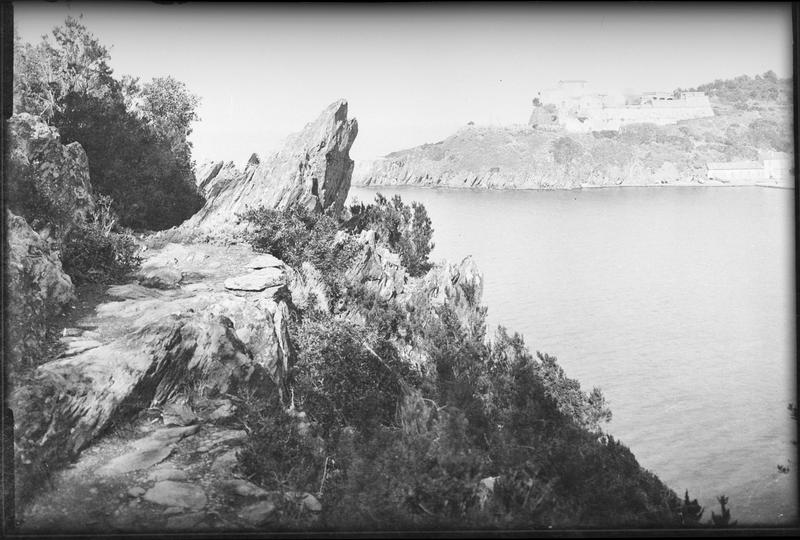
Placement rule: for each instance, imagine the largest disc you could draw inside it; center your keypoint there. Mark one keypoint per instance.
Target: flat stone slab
(243, 488)
(178, 415)
(258, 513)
(185, 521)
(146, 454)
(175, 434)
(170, 493)
(256, 281)
(225, 463)
(228, 436)
(78, 346)
(159, 475)
(147, 451)
(266, 261)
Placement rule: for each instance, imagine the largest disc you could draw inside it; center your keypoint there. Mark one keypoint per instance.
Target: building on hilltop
(580, 109)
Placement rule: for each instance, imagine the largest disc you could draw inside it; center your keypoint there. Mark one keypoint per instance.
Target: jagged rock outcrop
(459, 286)
(376, 268)
(38, 289)
(312, 169)
(45, 178)
(214, 177)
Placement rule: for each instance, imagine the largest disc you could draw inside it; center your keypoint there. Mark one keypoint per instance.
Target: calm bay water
(677, 302)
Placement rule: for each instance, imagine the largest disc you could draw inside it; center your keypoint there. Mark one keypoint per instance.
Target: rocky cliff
(45, 178)
(38, 290)
(313, 169)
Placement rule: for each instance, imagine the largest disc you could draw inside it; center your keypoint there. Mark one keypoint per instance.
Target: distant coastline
(377, 187)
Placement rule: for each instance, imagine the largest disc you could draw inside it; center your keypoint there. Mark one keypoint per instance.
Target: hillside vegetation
(752, 115)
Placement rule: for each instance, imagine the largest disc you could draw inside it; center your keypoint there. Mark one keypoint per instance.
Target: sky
(412, 74)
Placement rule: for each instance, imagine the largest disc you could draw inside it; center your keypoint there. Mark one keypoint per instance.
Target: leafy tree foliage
(138, 156)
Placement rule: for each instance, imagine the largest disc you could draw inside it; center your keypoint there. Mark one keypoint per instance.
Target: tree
(169, 110)
(565, 151)
(724, 519)
(46, 73)
(142, 159)
(690, 512)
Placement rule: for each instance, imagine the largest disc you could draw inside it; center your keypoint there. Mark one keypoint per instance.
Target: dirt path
(168, 469)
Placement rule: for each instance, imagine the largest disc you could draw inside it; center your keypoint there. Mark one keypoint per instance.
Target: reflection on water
(677, 302)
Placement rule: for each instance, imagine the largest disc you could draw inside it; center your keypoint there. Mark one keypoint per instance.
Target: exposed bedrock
(313, 169)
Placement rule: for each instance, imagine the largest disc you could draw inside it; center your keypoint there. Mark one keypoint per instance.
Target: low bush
(345, 375)
(282, 452)
(90, 254)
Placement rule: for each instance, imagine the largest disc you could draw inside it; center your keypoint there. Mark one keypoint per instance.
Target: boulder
(44, 175)
(162, 278)
(38, 289)
(177, 494)
(312, 169)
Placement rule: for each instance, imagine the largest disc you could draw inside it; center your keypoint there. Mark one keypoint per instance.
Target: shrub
(91, 253)
(297, 235)
(281, 452)
(405, 229)
(426, 477)
(346, 376)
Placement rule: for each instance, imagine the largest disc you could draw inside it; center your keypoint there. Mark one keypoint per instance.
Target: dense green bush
(405, 229)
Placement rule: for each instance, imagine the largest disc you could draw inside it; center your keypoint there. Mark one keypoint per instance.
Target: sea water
(678, 303)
